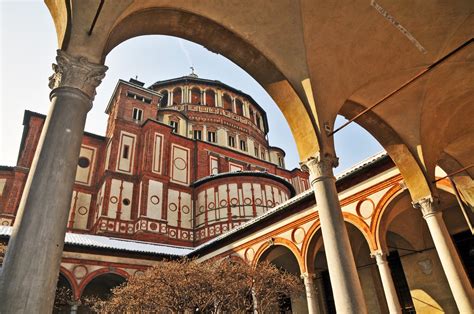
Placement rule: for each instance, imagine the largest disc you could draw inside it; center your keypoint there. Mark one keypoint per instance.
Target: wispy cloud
(186, 52)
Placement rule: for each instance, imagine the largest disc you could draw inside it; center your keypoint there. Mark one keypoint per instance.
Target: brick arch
(177, 98)
(72, 281)
(379, 214)
(282, 242)
(306, 249)
(362, 226)
(96, 274)
(210, 98)
(195, 98)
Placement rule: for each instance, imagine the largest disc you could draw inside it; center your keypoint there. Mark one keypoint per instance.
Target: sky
(28, 48)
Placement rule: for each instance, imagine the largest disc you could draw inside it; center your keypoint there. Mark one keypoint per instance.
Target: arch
(251, 113)
(210, 98)
(177, 96)
(127, 21)
(239, 107)
(308, 251)
(164, 99)
(72, 281)
(100, 272)
(362, 226)
(227, 102)
(398, 151)
(378, 222)
(282, 242)
(64, 295)
(196, 96)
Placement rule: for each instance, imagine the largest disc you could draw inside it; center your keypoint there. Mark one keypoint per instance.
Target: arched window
(164, 98)
(259, 121)
(251, 113)
(177, 96)
(239, 107)
(227, 102)
(195, 96)
(210, 98)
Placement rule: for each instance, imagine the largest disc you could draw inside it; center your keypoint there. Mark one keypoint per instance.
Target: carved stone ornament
(426, 266)
(428, 206)
(320, 165)
(77, 73)
(380, 257)
(308, 276)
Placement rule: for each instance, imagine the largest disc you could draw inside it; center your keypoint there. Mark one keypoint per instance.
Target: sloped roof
(102, 242)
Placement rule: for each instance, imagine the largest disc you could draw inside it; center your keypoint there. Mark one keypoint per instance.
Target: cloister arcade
(384, 229)
(406, 78)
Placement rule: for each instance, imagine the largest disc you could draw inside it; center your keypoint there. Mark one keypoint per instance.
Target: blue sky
(28, 48)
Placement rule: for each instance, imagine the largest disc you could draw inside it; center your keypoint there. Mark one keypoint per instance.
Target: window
(211, 136)
(164, 98)
(280, 161)
(197, 134)
(243, 145)
(138, 97)
(137, 114)
(239, 106)
(175, 126)
(83, 162)
(227, 102)
(256, 151)
(125, 151)
(263, 154)
(210, 98)
(231, 141)
(195, 96)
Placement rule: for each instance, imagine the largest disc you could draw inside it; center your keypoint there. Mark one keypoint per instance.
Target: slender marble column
(450, 261)
(387, 282)
(170, 98)
(347, 289)
(311, 294)
(31, 267)
(321, 294)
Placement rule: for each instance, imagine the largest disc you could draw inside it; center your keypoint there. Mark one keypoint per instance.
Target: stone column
(254, 301)
(311, 294)
(31, 266)
(321, 294)
(450, 261)
(387, 282)
(347, 289)
(170, 98)
(74, 308)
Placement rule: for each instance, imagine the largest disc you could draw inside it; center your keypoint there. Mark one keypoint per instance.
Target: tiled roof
(364, 163)
(95, 241)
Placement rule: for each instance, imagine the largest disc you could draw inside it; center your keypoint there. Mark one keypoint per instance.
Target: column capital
(380, 256)
(305, 276)
(320, 165)
(76, 72)
(428, 206)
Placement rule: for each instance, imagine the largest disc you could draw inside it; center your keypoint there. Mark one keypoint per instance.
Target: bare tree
(211, 287)
(3, 249)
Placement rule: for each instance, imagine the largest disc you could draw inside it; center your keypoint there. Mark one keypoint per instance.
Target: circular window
(126, 201)
(83, 162)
